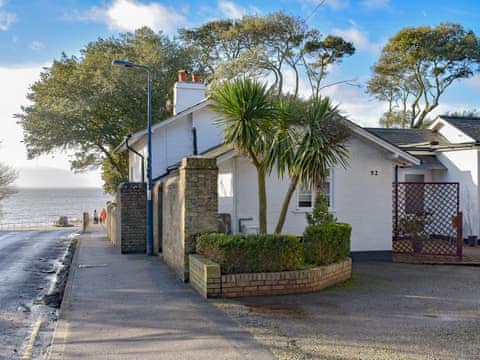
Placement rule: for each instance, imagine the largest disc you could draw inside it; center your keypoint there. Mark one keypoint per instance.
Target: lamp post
(129, 64)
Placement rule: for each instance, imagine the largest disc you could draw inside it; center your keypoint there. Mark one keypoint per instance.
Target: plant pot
(417, 246)
(472, 240)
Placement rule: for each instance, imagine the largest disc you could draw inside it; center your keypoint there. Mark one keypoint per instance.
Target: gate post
(460, 235)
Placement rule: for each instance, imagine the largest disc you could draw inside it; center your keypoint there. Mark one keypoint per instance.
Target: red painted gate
(426, 219)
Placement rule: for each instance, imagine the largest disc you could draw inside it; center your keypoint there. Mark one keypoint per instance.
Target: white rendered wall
(452, 134)
(463, 168)
(170, 144)
(359, 198)
(209, 133)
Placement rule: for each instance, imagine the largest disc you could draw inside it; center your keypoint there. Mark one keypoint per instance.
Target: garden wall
(205, 278)
(112, 223)
(189, 207)
(131, 217)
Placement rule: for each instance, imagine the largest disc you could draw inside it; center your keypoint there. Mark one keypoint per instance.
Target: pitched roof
(468, 124)
(410, 139)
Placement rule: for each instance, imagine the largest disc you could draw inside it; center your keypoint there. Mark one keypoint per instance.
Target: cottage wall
(359, 197)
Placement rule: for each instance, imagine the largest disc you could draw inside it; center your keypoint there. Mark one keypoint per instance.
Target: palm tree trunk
(286, 203)
(262, 200)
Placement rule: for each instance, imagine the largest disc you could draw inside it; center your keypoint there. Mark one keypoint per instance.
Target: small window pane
(305, 199)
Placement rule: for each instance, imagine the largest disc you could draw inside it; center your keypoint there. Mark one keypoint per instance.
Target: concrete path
(133, 307)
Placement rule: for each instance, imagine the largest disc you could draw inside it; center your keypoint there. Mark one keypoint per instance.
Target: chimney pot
(196, 78)
(182, 75)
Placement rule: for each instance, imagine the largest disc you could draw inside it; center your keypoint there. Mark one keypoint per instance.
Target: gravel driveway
(387, 311)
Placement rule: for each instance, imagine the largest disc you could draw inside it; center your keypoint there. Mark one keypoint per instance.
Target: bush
(326, 243)
(252, 253)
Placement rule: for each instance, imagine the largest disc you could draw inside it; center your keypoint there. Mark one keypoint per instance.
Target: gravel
(386, 311)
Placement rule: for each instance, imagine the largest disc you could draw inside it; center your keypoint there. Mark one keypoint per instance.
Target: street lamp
(129, 64)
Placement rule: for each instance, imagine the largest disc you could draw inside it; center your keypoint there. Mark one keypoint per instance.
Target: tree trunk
(286, 203)
(262, 201)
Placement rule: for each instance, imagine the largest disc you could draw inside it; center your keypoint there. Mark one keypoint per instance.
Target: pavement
(133, 307)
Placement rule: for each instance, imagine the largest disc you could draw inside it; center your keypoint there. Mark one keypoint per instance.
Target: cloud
(358, 38)
(6, 18)
(376, 4)
(36, 46)
(235, 11)
(129, 15)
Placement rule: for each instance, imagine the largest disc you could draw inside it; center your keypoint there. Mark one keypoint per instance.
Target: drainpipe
(396, 201)
(195, 147)
(136, 153)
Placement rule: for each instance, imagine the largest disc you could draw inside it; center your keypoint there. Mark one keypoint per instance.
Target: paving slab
(133, 307)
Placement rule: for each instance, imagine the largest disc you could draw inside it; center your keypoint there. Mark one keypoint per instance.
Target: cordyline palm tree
(309, 138)
(245, 110)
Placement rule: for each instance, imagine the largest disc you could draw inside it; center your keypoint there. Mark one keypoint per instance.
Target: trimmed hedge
(326, 243)
(252, 253)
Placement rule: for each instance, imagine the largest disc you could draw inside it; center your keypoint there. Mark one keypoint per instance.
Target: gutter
(138, 154)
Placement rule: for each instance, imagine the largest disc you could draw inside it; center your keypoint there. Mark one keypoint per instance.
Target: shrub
(326, 243)
(252, 253)
(320, 213)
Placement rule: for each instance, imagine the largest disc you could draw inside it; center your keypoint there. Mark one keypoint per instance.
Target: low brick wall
(205, 276)
(274, 283)
(425, 259)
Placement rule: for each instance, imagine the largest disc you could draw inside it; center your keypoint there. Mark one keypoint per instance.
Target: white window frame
(329, 181)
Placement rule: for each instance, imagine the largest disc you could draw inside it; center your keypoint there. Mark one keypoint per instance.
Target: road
(387, 311)
(29, 264)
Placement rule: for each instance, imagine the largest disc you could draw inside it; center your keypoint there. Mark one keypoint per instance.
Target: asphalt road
(387, 311)
(29, 262)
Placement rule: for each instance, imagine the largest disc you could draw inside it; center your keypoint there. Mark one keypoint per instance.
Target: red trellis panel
(427, 219)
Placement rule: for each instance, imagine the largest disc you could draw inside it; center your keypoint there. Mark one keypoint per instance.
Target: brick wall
(286, 282)
(189, 207)
(205, 278)
(425, 259)
(112, 228)
(132, 217)
(157, 199)
(172, 229)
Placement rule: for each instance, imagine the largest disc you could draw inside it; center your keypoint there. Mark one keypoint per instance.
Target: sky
(33, 33)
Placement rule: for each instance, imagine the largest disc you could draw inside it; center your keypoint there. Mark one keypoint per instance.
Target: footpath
(133, 307)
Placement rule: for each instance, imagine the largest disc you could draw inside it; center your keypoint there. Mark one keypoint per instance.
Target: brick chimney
(187, 93)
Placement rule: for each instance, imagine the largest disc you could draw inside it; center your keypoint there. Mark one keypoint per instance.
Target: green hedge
(252, 253)
(326, 243)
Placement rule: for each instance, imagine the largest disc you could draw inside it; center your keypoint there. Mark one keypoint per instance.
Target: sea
(30, 206)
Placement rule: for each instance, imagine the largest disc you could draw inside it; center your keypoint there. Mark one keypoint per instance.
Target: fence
(427, 219)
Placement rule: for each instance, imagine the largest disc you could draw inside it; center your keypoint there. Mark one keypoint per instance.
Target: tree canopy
(87, 105)
(417, 66)
(274, 44)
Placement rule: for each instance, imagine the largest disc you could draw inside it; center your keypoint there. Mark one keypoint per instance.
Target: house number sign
(374, 172)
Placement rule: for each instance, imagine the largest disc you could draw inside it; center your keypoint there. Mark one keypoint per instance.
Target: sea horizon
(40, 205)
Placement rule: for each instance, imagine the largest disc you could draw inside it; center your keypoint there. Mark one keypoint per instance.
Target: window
(306, 195)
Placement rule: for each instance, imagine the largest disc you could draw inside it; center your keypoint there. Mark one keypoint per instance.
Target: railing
(29, 225)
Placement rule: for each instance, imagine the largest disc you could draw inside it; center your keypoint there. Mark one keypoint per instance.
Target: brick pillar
(190, 207)
(132, 214)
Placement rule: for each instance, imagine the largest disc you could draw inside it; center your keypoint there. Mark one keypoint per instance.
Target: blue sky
(32, 33)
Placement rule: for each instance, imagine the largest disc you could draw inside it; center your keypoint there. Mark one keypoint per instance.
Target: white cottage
(360, 195)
